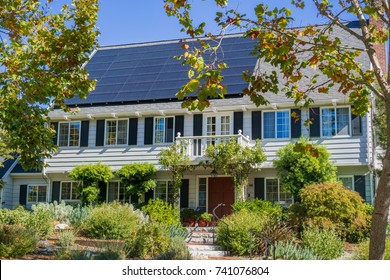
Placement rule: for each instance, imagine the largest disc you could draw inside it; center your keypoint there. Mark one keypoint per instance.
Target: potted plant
(205, 219)
(188, 217)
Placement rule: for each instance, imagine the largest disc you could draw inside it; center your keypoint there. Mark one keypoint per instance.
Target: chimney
(380, 49)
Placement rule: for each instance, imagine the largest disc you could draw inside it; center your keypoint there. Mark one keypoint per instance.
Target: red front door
(221, 190)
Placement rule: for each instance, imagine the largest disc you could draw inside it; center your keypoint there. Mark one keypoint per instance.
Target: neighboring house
(133, 114)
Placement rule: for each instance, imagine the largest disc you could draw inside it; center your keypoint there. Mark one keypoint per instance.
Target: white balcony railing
(195, 146)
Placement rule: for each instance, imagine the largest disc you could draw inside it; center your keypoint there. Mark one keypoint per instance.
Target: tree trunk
(382, 203)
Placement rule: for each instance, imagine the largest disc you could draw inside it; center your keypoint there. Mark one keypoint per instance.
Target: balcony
(195, 146)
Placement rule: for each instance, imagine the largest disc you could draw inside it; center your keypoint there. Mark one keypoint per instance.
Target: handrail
(221, 221)
(267, 242)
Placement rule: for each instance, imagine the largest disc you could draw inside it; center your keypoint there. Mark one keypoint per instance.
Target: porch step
(199, 251)
(201, 229)
(200, 239)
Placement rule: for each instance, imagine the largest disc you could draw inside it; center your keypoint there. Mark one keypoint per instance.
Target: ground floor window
(117, 192)
(69, 191)
(202, 194)
(164, 191)
(36, 194)
(274, 193)
(347, 181)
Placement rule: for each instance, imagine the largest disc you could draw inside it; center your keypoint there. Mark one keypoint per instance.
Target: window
(164, 191)
(117, 191)
(36, 194)
(202, 194)
(347, 181)
(274, 193)
(218, 125)
(335, 121)
(69, 191)
(163, 130)
(276, 124)
(116, 132)
(69, 134)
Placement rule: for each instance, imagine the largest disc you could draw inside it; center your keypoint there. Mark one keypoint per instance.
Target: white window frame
(348, 176)
(166, 189)
(218, 117)
(207, 191)
(276, 124)
(349, 119)
(59, 134)
(154, 129)
(127, 198)
(37, 185)
(71, 190)
(279, 191)
(116, 135)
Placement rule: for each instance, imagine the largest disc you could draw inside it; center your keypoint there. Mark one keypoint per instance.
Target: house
(133, 114)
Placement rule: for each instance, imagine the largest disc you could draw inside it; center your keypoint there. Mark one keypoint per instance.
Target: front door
(220, 190)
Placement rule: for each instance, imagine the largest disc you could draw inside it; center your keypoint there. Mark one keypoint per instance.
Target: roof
(18, 169)
(148, 71)
(7, 164)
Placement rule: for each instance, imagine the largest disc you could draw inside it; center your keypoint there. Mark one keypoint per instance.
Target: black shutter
(84, 134)
(23, 195)
(256, 125)
(133, 129)
(169, 130)
(148, 134)
(179, 126)
(103, 191)
(360, 185)
(149, 195)
(238, 122)
(198, 125)
(184, 190)
(55, 191)
(259, 188)
(54, 125)
(356, 124)
(296, 129)
(315, 127)
(100, 132)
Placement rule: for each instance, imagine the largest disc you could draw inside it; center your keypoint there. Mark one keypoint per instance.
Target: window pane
(161, 190)
(42, 194)
(122, 132)
(113, 191)
(32, 193)
(159, 130)
(225, 125)
(202, 194)
(110, 132)
(328, 122)
(74, 134)
(169, 130)
(285, 196)
(283, 124)
(66, 190)
(272, 187)
(171, 192)
(63, 137)
(269, 125)
(342, 121)
(211, 129)
(75, 191)
(347, 182)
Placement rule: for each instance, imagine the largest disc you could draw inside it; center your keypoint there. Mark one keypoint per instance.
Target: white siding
(7, 194)
(92, 133)
(188, 125)
(27, 181)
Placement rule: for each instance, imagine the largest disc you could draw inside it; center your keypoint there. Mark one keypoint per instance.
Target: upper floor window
(69, 191)
(163, 130)
(116, 132)
(335, 121)
(69, 134)
(36, 194)
(276, 124)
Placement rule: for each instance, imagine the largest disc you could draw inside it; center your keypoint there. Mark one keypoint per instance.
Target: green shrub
(79, 215)
(291, 251)
(67, 238)
(162, 212)
(361, 252)
(233, 231)
(41, 220)
(16, 241)
(332, 206)
(111, 251)
(323, 242)
(388, 230)
(276, 232)
(112, 221)
(177, 250)
(150, 240)
(18, 216)
(59, 211)
(263, 207)
(66, 254)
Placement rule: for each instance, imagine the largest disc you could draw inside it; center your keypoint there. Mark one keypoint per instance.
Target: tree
(177, 163)
(41, 64)
(301, 164)
(236, 160)
(284, 48)
(89, 176)
(137, 177)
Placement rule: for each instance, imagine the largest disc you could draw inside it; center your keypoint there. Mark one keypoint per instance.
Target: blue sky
(133, 21)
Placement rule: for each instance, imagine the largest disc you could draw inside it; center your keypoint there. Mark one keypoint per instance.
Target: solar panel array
(150, 72)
